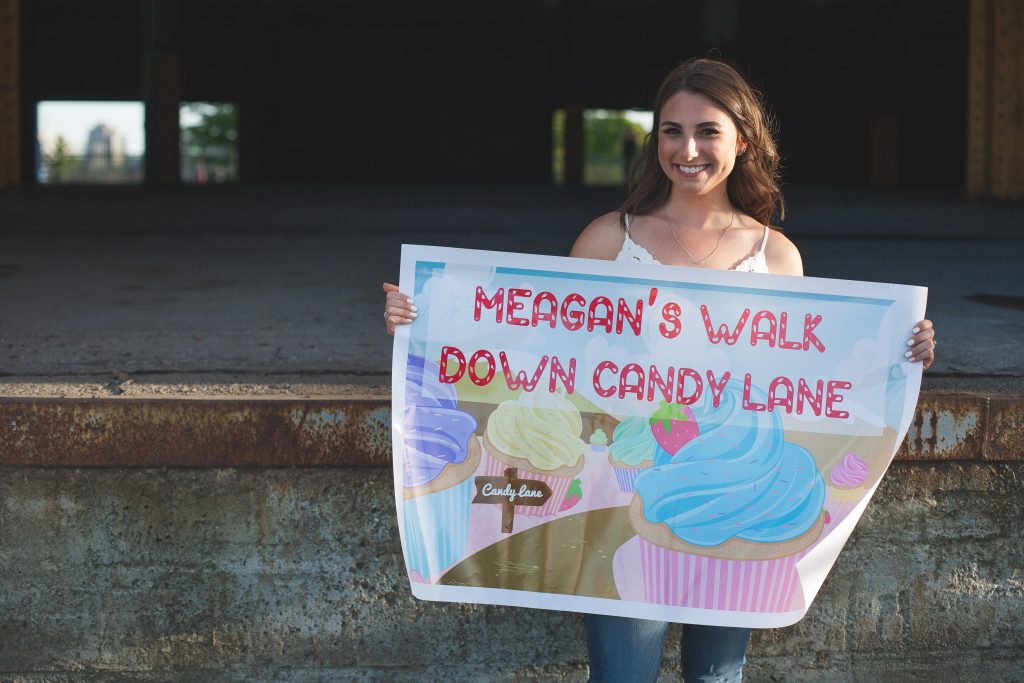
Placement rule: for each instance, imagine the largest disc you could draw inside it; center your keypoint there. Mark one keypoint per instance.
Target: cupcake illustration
(639, 442)
(537, 433)
(722, 522)
(440, 456)
(846, 479)
(632, 450)
(598, 441)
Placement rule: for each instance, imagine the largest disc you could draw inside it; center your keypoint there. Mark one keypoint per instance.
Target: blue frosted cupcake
(723, 522)
(440, 457)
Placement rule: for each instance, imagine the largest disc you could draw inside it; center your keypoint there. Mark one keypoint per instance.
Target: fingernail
(414, 309)
(408, 300)
(908, 354)
(412, 315)
(910, 342)
(916, 330)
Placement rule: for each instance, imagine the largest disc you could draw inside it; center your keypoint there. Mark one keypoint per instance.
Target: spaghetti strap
(764, 241)
(625, 220)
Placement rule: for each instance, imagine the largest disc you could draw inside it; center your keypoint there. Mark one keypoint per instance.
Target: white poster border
(809, 287)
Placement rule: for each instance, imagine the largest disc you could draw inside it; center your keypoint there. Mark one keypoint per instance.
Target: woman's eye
(670, 131)
(709, 132)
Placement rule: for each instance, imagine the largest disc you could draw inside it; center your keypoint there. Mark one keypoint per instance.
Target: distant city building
(105, 147)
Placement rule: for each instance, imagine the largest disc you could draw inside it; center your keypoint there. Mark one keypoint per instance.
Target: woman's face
(697, 144)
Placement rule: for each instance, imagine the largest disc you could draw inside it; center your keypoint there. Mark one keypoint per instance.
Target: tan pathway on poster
(578, 549)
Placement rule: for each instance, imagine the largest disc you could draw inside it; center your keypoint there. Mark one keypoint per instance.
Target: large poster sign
(638, 440)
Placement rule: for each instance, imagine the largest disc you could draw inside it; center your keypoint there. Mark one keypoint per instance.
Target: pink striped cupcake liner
(687, 580)
(559, 486)
(625, 476)
(838, 507)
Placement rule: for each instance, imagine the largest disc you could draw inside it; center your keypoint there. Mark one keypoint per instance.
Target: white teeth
(693, 169)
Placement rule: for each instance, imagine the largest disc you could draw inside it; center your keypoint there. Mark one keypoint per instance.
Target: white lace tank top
(632, 252)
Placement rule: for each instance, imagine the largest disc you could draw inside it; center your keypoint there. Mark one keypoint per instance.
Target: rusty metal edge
(118, 432)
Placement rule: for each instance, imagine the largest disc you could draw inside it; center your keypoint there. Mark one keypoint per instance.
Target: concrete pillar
(250, 133)
(995, 107)
(161, 89)
(574, 145)
(885, 149)
(10, 95)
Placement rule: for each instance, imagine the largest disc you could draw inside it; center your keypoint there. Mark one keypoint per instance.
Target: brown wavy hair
(753, 185)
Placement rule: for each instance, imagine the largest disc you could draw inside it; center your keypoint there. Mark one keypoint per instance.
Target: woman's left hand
(922, 344)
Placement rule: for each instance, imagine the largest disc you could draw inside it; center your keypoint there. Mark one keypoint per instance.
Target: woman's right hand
(398, 308)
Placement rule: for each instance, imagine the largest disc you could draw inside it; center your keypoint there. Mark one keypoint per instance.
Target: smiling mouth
(691, 170)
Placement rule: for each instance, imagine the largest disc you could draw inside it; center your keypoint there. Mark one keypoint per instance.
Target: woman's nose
(691, 148)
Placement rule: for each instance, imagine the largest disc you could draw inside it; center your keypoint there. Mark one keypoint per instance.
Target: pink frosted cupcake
(846, 480)
(539, 435)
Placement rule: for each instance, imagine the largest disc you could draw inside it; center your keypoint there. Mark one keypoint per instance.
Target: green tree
(558, 147)
(212, 139)
(62, 163)
(603, 135)
(217, 126)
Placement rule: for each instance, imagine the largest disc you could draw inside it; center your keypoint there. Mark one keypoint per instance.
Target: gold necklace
(687, 251)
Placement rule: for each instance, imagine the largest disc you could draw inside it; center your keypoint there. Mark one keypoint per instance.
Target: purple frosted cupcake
(847, 478)
(440, 457)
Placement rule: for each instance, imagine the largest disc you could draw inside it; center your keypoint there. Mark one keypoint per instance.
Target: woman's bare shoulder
(782, 256)
(602, 239)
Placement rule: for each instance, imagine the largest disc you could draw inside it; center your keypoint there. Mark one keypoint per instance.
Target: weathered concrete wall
(295, 575)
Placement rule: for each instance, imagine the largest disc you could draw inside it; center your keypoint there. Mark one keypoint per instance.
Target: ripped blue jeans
(624, 649)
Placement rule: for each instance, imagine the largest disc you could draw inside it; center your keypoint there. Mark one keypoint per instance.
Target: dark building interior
(866, 92)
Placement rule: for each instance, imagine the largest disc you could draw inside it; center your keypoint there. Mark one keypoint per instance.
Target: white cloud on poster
(446, 297)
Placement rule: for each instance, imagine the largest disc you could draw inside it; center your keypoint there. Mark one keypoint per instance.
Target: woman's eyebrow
(703, 123)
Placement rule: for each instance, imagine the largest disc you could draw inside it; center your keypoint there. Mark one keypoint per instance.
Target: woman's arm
(782, 256)
(602, 239)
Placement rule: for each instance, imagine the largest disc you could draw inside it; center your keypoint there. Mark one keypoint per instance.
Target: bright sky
(644, 118)
(74, 120)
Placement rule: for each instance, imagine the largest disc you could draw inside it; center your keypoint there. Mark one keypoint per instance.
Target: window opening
(89, 142)
(612, 139)
(209, 142)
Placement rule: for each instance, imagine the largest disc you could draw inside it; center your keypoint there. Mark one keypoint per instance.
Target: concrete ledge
(54, 432)
(289, 575)
(134, 432)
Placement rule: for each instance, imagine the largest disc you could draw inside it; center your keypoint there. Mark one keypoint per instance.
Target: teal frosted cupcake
(632, 450)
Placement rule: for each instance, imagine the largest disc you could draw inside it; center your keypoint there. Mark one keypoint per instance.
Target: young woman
(706, 192)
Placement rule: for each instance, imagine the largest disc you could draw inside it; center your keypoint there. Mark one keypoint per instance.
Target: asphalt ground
(275, 291)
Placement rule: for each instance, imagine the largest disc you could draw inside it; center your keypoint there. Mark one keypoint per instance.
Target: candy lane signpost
(508, 491)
